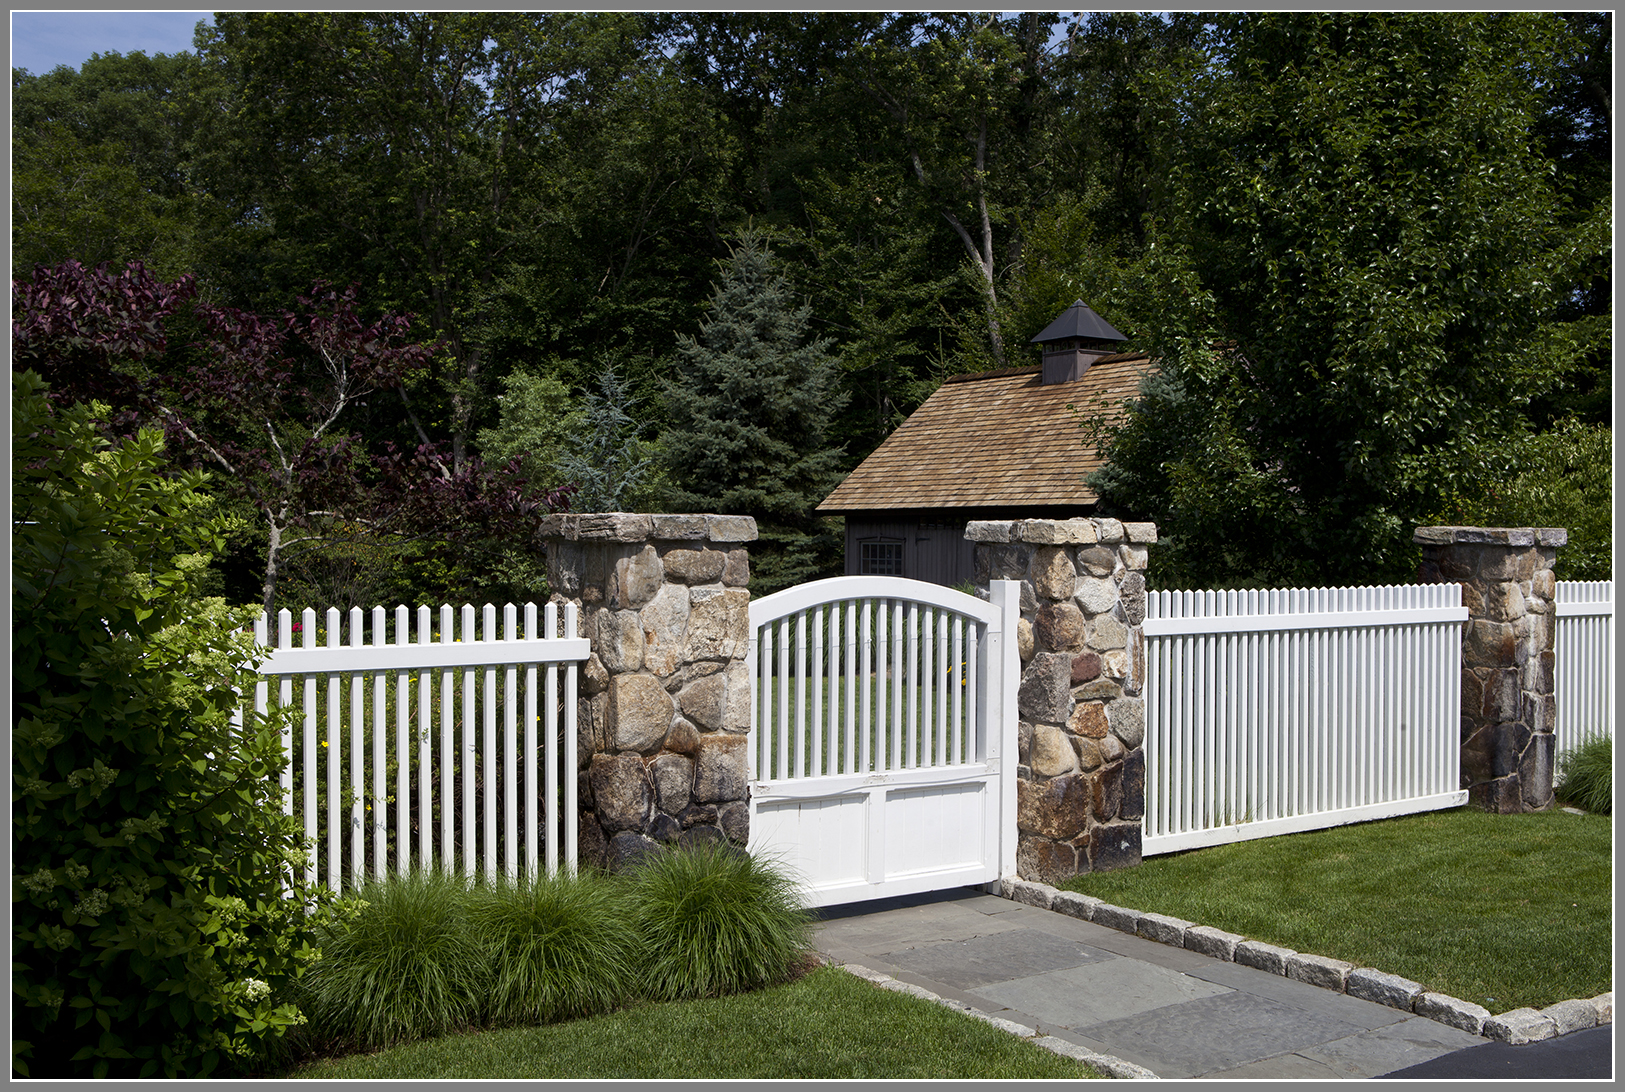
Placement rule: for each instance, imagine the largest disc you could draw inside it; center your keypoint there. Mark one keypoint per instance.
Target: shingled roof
(993, 439)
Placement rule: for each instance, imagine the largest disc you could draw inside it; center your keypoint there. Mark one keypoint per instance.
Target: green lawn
(1501, 910)
(827, 1025)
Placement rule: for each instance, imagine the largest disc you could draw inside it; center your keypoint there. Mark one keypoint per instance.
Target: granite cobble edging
(1515, 1028)
(1104, 1063)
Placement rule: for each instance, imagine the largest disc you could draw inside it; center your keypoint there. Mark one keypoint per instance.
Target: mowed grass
(1504, 911)
(828, 1024)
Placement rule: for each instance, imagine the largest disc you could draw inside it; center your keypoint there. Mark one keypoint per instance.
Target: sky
(41, 40)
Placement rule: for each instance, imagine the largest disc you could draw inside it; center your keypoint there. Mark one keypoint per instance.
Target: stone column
(1080, 784)
(1508, 712)
(665, 696)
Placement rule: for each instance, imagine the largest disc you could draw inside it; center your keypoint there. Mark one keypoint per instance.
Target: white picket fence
(1271, 712)
(1584, 653)
(445, 678)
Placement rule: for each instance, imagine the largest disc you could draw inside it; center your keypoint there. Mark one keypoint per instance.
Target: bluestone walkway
(1175, 1012)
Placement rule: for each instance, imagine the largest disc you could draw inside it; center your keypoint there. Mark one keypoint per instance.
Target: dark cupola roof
(1079, 321)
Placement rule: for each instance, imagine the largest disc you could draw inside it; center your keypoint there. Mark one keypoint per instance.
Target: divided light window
(880, 559)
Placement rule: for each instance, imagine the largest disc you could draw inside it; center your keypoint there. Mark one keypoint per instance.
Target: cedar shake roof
(993, 439)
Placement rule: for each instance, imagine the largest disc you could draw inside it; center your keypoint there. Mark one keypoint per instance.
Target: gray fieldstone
(1040, 895)
(718, 624)
(694, 566)
(1096, 595)
(1075, 905)
(1604, 1004)
(665, 629)
(637, 579)
(702, 702)
(677, 528)
(1107, 632)
(1520, 1026)
(1117, 917)
(628, 848)
(1164, 929)
(736, 703)
(1140, 532)
(621, 792)
(673, 777)
(980, 530)
(1369, 984)
(730, 528)
(620, 640)
(684, 738)
(1322, 971)
(1109, 530)
(1570, 1016)
(1053, 573)
(736, 572)
(720, 773)
(1097, 561)
(1212, 942)
(1463, 1015)
(1052, 754)
(1127, 719)
(1045, 693)
(1264, 957)
(1025, 644)
(1134, 557)
(1060, 627)
(639, 712)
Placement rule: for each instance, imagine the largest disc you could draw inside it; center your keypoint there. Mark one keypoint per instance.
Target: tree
(607, 465)
(102, 162)
(159, 914)
(264, 404)
(1362, 265)
(750, 406)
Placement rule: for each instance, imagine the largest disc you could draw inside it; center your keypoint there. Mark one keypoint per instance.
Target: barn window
(880, 558)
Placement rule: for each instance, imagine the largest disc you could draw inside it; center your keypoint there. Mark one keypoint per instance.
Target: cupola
(1075, 340)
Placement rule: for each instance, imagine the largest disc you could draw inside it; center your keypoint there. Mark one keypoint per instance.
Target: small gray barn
(989, 445)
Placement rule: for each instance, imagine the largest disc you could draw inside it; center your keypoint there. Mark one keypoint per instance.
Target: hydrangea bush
(159, 918)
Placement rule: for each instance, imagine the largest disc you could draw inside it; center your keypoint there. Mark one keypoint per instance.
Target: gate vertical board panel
(1584, 649)
(890, 805)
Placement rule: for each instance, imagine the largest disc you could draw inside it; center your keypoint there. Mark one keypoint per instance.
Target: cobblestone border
(1517, 1027)
(1104, 1063)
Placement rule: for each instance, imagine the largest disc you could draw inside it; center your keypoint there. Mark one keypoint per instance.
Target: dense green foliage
(713, 920)
(750, 408)
(1370, 248)
(152, 932)
(428, 953)
(1586, 775)
(1560, 478)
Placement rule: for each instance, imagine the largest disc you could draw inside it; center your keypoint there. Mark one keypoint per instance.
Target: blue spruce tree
(750, 407)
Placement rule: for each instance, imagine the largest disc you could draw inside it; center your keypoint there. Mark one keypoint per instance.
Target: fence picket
(357, 848)
(1297, 708)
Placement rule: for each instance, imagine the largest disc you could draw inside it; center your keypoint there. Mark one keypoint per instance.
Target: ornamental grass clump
(402, 963)
(712, 920)
(1586, 776)
(557, 946)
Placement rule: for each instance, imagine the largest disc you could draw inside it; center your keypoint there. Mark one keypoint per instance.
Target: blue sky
(41, 40)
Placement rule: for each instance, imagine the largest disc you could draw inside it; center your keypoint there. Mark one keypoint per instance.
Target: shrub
(400, 961)
(151, 936)
(1586, 775)
(711, 920)
(557, 946)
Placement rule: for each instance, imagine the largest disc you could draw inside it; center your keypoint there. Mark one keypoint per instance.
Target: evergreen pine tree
(606, 463)
(750, 408)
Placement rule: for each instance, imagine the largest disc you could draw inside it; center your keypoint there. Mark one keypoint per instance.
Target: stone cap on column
(1080, 531)
(1491, 536)
(639, 527)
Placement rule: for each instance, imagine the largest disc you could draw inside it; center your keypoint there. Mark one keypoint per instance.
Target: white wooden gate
(883, 735)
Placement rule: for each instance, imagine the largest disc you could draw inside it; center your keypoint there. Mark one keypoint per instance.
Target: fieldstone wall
(1508, 712)
(665, 695)
(1080, 785)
